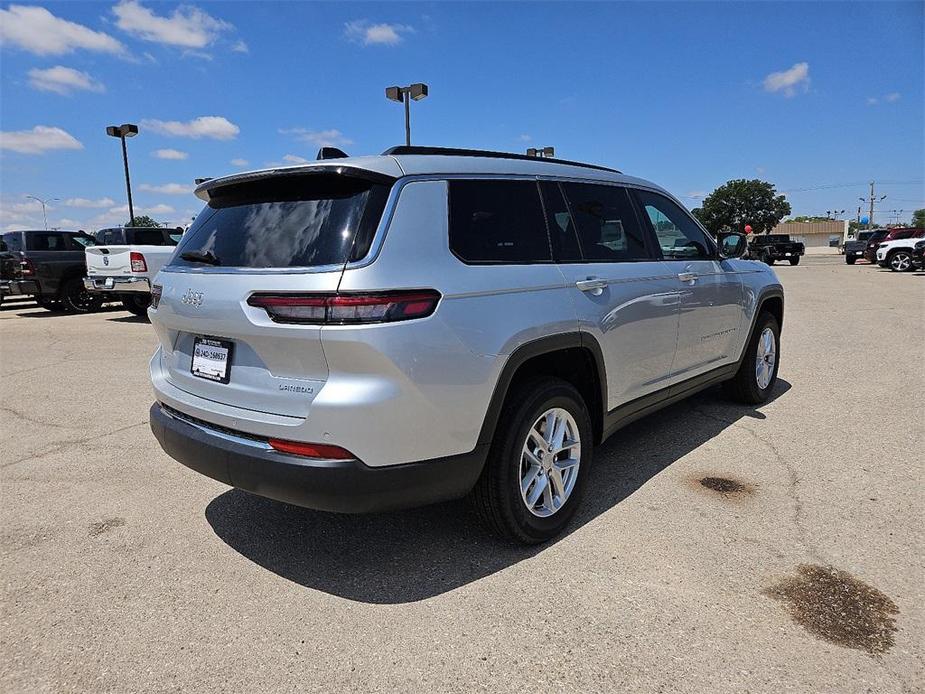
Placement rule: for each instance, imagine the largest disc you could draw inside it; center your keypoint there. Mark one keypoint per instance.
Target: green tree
(918, 218)
(808, 218)
(143, 221)
(739, 202)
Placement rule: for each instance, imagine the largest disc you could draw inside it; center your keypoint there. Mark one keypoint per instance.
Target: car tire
(900, 261)
(850, 260)
(498, 499)
(137, 305)
(748, 385)
(769, 260)
(795, 261)
(76, 299)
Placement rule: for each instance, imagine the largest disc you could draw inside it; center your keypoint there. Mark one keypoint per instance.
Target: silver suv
(370, 333)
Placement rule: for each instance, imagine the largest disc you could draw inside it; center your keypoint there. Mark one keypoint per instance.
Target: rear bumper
(18, 287)
(118, 285)
(343, 486)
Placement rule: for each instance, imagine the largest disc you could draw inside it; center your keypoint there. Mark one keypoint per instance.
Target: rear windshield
(153, 236)
(287, 221)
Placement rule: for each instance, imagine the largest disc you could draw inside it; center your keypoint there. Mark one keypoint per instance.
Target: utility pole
(871, 200)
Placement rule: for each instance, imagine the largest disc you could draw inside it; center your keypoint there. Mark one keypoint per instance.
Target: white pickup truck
(125, 265)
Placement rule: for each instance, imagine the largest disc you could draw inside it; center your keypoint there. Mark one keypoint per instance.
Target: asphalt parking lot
(124, 571)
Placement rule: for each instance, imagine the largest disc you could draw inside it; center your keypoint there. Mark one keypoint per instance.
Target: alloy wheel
(549, 462)
(765, 358)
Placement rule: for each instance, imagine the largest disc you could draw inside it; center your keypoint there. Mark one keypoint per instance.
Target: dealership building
(815, 234)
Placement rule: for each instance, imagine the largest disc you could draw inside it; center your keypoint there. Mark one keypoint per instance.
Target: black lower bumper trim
(342, 486)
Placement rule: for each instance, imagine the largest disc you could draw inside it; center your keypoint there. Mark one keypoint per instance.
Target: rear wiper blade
(199, 257)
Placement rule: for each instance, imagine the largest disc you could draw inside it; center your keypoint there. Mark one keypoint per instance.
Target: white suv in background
(371, 333)
(897, 255)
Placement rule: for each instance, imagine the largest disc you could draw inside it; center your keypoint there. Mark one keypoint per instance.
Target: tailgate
(111, 261)
(272, 368)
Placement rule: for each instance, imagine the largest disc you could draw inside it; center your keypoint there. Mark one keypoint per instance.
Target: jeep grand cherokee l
(373, 333)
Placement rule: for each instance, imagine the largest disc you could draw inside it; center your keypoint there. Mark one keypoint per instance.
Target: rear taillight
(156, 295)
(138, 262)
(347, 309)
(311, 450)
(27, 268)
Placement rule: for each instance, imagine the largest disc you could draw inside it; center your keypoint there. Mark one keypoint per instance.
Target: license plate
(109, 283)
(212, 359)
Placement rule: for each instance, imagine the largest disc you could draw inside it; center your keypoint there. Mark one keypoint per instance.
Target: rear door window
(498, 222)
(608, 229)
(282, 222)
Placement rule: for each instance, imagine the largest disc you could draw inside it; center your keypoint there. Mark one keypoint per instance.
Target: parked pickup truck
(854, 248)
(125, 267)
(51, 269)
(770, 247)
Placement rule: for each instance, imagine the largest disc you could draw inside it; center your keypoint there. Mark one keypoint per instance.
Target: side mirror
(733, 245)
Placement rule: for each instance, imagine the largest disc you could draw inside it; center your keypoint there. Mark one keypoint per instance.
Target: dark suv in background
(51, 267)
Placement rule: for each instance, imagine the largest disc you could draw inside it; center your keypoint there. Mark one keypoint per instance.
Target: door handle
(687, 276)
(592, 284)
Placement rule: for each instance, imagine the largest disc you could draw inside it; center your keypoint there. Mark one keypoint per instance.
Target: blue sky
(817, 98)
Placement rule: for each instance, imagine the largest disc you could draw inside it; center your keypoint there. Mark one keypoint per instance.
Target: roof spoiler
(203, 190)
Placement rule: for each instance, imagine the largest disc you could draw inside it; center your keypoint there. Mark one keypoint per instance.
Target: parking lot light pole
(416, 91)
(44, 202)
(123, 131)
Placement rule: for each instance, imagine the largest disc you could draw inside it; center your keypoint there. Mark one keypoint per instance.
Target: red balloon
(748, 228)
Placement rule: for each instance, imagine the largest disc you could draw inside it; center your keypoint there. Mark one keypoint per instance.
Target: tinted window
(13, 241)
(497, 222)
(58, 241)
(678, 235)
(559, 221)
(290, 221)
(147, 237)
(608, 229)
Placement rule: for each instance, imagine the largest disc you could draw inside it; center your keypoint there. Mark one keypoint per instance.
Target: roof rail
(488, 154)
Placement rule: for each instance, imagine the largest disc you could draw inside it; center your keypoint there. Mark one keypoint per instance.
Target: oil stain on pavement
(836, 606)
(106, 525)
(726, 486)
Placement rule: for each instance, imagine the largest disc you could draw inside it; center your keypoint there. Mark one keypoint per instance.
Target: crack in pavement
(65, 445)
(792, 478)
(32, 420)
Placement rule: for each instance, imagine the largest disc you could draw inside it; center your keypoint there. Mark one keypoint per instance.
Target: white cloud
(88, 204)
(872, 101)
(892, 96)
(167, 188)
(240, 47)
(186, 26)
(320, 138)
(38, 31)
(160, 208)
(525, 137)
(294, 159)
(39, 140)
(788, 82)
(369, 34)
(215, 127)
(169, 154)
(63, 80)
(696, 194)
(239, 162)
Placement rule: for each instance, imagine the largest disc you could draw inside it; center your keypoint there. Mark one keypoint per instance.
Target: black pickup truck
(771, 247)
(854, 248)
(50, 266)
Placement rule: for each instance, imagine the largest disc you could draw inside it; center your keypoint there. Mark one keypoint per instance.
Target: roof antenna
(331, 153)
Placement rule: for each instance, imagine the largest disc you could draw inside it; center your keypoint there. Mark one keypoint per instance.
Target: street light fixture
(47, 200)
(542, 153)
(416, 91)
(123, 131)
